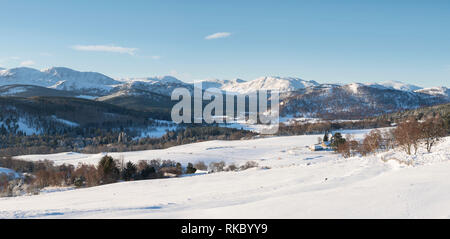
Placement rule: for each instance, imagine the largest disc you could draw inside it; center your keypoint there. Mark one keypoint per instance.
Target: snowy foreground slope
(299, 184)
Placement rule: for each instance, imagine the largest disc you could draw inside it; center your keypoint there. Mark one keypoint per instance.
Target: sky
(326, 41)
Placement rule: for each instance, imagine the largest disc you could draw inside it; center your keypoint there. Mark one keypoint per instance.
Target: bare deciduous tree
(408, 135)
(431, 130)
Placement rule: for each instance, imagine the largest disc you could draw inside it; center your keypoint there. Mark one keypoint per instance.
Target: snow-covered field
(266, 150)
(297, 183)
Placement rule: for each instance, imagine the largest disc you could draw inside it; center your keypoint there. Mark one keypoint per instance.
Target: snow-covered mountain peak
(64, 73)
(396, 85)
(220, 83)
(154, 80)
(436, 91)
(97, 84)
(159, 84)
(58, 78)
(19, 71)
(237, 80)
(166, 79)
(58, 70)
(282, 84)
(354, 87)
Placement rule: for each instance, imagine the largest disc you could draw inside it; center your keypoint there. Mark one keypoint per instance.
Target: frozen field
(299, 184)
(290, 149)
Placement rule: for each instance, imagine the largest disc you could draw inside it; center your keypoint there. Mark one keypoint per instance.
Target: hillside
(138, 99)
(60, 78)
(290, 182)
(299, 97)
(442, 110)
(33, 90)
(354, 101)
(54, 115)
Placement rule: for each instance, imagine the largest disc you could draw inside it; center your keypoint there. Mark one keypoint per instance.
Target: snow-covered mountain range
(61, 78)
(282, 84)
(437, 91)
(396, 85)
(297, 95)
(161, 84)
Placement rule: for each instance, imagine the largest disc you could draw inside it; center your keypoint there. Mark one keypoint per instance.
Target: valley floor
(297, 183)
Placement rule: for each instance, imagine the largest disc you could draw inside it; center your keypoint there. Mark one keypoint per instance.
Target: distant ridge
(299, 97)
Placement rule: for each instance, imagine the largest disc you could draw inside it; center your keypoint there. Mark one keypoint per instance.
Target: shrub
(16, 187)
(79, 181)
(129, 172)
(336, 140)
(325, 137)
(86, 175)
(232, 167)
(344, 149)
(388, 138)
(216, 167)
(201, 166)
(249, 164)
(145, 170)
(107, 169)
(190, 169)
(43, 178)
(371, 142)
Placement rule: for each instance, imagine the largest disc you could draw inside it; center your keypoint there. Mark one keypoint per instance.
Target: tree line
(113, 141)
(409, 135)
(41, 174)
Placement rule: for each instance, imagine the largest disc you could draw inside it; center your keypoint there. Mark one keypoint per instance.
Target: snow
(240, 124)
(23, 125)
(66, 122)
(89, 84)
(216, 83)
(354, 87)
(27, 128)
(154, 80)
(9, 172)
(57, 78)
(437, 91)
(55, 189)
(156, 132)
(291, 120)
(282, 84)
(160, 84)
(87, 97)
(396, 85)
(237, 152)
(291, 182)
(13, 91)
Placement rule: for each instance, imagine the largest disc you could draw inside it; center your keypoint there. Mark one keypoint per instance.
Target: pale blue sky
(325, 41)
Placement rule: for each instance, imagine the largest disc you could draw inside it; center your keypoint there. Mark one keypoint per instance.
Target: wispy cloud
(27, 63)
(218, 35)
(105, 48)
(156, 57)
